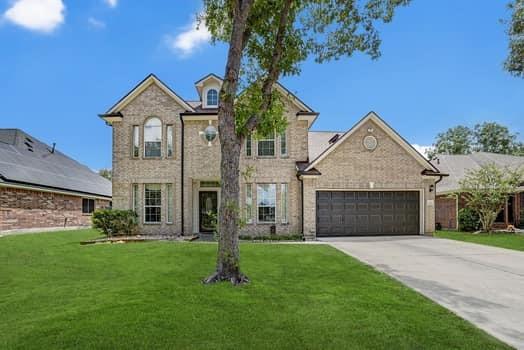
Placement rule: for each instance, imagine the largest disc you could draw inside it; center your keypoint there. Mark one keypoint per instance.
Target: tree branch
(274, 67)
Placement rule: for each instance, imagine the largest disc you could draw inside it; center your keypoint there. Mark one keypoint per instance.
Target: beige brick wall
(128, 170)
(202, 163)
(351, 166)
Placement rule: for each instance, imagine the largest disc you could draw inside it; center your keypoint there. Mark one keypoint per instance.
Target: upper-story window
(212, 98)
(153, 138)
(266, 146)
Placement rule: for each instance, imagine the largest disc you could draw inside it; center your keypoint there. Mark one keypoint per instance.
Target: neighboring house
(457, 166)
(40, 187)
(166, 166)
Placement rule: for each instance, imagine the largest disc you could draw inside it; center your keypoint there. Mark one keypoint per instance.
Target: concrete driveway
(484, 285)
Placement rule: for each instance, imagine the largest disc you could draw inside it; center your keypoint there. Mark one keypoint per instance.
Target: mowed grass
(57, 294)
(502, 240)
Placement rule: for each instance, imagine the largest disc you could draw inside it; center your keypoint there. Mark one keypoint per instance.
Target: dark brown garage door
(367, 213)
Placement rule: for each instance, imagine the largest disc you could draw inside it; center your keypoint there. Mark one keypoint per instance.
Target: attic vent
(334, 138)
(28, 140)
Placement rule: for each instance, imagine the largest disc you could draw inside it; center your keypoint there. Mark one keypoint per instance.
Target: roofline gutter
(33, 187)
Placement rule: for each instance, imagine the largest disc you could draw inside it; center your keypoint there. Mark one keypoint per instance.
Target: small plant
(468, 220)
(290, 237)
(112, 222)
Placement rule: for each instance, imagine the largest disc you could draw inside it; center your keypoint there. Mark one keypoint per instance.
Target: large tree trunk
(228, 262)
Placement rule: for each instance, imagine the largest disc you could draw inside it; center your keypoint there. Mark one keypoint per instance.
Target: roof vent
(29, 146)
(28, 140)
(334, 138)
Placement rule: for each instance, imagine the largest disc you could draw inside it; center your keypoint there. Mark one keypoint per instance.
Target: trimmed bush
(113, 222)
(468, 220)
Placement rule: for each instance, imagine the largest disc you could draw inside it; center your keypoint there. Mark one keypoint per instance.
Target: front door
(207, 212)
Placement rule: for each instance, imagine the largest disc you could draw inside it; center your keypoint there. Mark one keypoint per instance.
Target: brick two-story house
(166, 166)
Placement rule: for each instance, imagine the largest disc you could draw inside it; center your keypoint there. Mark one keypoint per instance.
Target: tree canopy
(515, 60)
(485, 137)
(268, 39)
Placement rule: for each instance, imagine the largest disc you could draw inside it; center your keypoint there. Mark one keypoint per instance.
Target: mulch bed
(139, 238)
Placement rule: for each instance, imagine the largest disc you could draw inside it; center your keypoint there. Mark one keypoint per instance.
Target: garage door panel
(353, 213)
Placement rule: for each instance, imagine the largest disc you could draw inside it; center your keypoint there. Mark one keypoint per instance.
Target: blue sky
(441, 65)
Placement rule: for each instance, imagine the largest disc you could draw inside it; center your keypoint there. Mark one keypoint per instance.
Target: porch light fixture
(209, 134)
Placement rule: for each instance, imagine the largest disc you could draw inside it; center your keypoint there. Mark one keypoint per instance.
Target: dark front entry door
(361, 213)
(208, 204)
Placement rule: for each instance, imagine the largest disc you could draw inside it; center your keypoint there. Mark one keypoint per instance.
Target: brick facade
(352, 167)
(349, 167)
(27, 209)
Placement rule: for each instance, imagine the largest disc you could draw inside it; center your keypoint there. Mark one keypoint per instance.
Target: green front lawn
(503, 240)
(55, 293)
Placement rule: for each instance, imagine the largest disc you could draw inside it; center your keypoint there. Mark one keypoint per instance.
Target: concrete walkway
(484, 285)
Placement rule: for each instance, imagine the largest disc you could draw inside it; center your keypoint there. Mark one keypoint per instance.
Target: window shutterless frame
(88, 206)
(266, 203)
(284, 203)
(249, 146)
(153, 138)
(135, 151)
(152, 203)
(266, 146)
(135, 204)
(170, 202)
(249, 203)
(283, 144)
(169, 141)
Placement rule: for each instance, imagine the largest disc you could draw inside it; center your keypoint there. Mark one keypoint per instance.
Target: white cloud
(38, 15)
(111, 3)
(95, 23)
(422, 149)
(189, 40)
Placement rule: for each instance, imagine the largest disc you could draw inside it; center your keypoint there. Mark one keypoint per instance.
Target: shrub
(468, 220)
(112, 222)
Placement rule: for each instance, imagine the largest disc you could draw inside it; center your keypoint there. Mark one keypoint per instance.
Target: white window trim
(284, 215)
(135, 141)
(135, 204)
(249, 203)
(152, 206)
(161, 138)
(170, 208)
(204, 96)
(258, 206)
(170, 140)
(284, 134)
(274, 139)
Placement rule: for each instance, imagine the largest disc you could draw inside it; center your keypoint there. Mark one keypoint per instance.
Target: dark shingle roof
(457, 165)
(26, 160)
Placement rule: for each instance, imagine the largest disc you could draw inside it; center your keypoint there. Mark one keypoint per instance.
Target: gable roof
(389, 130)
(24, 160)
(140, 87)
(457, 166)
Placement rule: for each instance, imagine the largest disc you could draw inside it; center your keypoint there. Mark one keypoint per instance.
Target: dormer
(208, 90)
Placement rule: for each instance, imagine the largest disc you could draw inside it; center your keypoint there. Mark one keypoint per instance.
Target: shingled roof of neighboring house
(319, 141)
(25, 160)
(457, 165)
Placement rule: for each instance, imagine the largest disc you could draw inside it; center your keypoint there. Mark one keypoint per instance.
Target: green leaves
(515, 61)
(487, 189)
(324, 29)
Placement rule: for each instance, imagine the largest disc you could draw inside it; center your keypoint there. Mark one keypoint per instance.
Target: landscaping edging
(139, 238)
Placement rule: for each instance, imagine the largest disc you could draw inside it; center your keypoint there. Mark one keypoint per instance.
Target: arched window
(212, 97)
(153, 138)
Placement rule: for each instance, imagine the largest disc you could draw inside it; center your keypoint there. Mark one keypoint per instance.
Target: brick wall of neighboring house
(351, 166)
(128, 170)
(446, 212)
(28, 209)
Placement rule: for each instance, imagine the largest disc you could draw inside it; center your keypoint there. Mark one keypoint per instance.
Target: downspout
(182, 173)
(301, 204)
